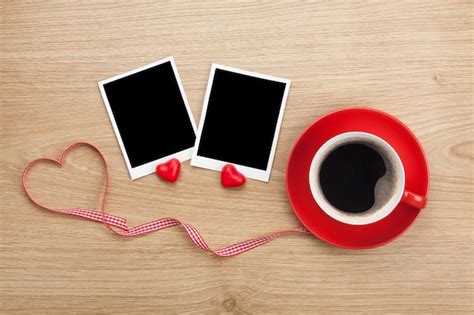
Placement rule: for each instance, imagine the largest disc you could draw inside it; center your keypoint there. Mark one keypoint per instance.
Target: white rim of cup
(337, 214)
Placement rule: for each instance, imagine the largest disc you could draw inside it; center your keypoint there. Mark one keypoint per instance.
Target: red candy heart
(231, 177)
(169, 171)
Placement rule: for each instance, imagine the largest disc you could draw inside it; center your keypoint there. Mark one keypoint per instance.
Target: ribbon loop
(119, 225)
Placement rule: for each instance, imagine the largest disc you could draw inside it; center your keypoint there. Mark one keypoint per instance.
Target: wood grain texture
(412, 59)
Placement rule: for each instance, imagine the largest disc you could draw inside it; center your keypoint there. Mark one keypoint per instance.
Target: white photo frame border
(217, 165)
(148, 168)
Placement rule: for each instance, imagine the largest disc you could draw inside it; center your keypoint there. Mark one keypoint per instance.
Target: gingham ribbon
(119, 225)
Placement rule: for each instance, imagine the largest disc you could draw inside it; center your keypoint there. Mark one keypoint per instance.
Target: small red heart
(231, 177)
(169, 171)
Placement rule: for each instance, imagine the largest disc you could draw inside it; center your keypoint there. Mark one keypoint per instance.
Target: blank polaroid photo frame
(150, 116)
(240, 121)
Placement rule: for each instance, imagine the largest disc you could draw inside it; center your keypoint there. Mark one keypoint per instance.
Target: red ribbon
(119, 225)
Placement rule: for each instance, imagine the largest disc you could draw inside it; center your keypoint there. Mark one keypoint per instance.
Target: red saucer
(316, 220)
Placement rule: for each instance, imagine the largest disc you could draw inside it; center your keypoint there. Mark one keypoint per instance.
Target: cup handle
(414, 200)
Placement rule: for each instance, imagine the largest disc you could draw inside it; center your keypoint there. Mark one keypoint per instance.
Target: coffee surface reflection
(348, 177)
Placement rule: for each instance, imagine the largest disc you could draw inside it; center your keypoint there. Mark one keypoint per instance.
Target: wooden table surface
(413, 60)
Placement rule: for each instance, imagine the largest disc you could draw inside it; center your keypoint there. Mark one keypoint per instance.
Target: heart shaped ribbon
(119, 225)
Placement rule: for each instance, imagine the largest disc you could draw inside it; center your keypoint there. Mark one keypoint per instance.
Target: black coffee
(348, 176)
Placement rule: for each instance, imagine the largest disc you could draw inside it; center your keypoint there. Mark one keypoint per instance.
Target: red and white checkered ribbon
(119, 225)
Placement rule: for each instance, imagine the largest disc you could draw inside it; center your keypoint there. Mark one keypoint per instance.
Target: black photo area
(150, 114)
(240, 123)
